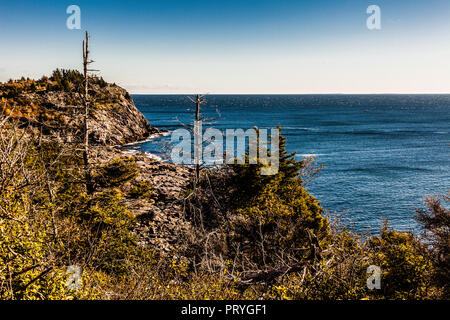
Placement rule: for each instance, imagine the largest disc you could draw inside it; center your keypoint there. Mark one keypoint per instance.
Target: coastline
(146, 153)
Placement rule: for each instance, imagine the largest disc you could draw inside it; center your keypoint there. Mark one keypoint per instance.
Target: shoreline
(149, 155)
(152, 136)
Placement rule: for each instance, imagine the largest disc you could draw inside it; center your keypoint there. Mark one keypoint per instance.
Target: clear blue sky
(229, 46)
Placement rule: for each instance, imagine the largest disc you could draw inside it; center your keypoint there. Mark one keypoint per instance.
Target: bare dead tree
(15, 147)
(310, 170)
(197, 144)
(86, 70)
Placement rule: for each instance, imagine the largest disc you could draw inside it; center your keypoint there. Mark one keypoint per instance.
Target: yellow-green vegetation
(25, 99)
(116, 173)
(251, 236)
(142, 190)
(48, 222)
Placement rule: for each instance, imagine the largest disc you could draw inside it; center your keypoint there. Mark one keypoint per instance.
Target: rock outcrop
(56, 105)
(158, 222)
(120, 122)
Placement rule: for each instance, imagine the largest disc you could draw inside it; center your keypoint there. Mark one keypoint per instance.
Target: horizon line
(274, 94)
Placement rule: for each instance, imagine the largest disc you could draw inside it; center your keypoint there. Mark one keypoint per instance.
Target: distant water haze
(383, 153)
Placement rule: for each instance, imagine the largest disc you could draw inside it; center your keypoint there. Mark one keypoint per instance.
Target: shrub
(142, 190)
(116, 172)
(404, 263)
(436, 224)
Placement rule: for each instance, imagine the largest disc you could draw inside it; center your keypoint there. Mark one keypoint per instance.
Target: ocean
(382, 153)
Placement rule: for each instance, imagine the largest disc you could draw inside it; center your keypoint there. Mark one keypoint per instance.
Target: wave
(362, 131)
(307, 155)
(150, 138)
(386, 168)
(300, 128)
(146, 153)
(154, 157)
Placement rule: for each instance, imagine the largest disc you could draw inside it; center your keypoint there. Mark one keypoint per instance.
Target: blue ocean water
(382, 153)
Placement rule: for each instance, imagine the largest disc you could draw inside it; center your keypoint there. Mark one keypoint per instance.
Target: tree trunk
(87, 171)
(197, 119)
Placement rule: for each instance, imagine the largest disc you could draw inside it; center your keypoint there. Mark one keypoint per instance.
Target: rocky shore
(159, 220)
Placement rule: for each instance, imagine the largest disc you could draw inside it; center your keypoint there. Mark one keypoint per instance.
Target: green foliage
(117, 172)
(277, 208)
(250, 182)
(436, 223)
(284, 218)
(142, 190)
(26, 272)
(341, 274)
(70, 80)
(67, 80)
(42, 232)
(405, 264)
(109, 223)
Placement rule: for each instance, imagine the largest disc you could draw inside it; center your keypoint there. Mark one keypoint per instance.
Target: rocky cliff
(56, 105)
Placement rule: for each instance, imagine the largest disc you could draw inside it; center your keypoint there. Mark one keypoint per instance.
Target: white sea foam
(307, 155)
(300, 128)
(150, 138)
(130, 151)
(133, 147)
(146, 153)
(154, 157)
